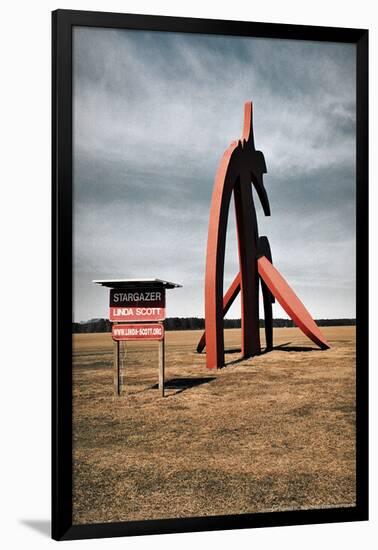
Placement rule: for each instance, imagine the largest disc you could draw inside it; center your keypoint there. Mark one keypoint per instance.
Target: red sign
(139, 304)
(145, 331)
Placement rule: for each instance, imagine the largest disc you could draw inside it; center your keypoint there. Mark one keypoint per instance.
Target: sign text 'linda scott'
(151, 331)
(139, 304)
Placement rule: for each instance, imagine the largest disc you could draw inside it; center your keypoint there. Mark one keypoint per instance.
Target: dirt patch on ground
(275, 432)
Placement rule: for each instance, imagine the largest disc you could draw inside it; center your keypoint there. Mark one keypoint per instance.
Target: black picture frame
(62, 23)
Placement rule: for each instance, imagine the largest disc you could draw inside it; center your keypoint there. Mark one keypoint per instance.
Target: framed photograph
(210, 274)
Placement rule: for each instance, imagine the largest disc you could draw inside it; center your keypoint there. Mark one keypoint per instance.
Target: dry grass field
(275, 432)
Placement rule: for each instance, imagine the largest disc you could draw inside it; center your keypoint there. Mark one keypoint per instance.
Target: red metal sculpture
(240, 166)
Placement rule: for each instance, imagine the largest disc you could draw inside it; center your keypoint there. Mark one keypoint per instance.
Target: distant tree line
(198, 323)
(93, 325)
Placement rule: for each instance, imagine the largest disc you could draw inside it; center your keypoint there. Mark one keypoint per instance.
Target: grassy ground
(274, 432)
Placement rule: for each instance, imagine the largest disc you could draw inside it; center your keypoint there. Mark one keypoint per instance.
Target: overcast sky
(153, 114)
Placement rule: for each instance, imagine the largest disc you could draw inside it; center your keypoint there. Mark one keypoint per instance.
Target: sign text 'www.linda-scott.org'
(145, 331)
(141, 304)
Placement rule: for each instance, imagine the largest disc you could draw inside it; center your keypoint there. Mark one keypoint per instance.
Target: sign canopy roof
(136, 283)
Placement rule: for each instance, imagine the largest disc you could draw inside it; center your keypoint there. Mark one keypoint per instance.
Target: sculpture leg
(263, 249)
(214, 315)
(249, 279)
(268, 315)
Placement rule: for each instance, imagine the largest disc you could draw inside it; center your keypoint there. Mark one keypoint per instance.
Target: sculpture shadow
(183, 384)
(234, 362)
(265, 350)
(281, 347)
(233, 350)
(286, 347)
(277, 348)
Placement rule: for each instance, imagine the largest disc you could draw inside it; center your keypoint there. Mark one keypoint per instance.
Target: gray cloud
(153, 113)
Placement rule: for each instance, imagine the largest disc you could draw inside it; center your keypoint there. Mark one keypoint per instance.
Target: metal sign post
(117, 368)
(135, 332)
(161, 365)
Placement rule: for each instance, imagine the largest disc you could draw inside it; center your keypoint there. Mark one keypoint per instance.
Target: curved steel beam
(240, 166)
(290, 302)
